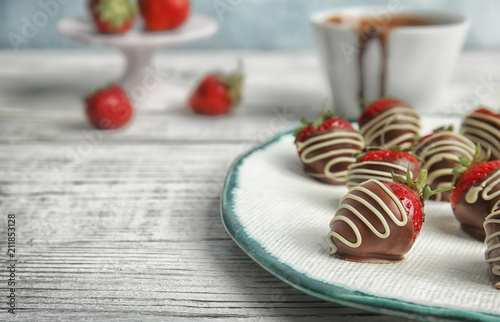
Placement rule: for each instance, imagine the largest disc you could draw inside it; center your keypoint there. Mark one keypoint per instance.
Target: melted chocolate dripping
(369, 29)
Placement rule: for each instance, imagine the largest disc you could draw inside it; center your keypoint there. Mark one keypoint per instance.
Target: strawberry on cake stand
(141, 79)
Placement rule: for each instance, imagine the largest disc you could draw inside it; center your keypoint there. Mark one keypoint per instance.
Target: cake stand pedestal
(141, 80)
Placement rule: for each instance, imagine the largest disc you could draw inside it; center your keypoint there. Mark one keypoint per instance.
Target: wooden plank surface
(126, 225)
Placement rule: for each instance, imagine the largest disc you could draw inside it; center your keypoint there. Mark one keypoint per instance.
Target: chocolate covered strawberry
(379, 221)
(327, 146)
(440, 153)
(492, 254)
(380, 165)
(476, 195)
(389, 123)
(112, 16)
(109, 108)
(483, 127)
(217, 93)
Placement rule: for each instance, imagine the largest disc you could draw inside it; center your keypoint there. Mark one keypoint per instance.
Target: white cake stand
(141, 80)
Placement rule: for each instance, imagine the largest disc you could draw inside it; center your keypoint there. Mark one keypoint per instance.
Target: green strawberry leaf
(449, 128)
(116, 12)
(421, 182)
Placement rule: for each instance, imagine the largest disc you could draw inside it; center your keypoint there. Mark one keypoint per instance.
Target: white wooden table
(126, 225)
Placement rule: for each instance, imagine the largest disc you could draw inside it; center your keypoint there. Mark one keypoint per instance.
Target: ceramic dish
(280, 217)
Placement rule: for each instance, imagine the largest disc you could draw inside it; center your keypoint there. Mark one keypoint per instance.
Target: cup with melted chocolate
(370, 53)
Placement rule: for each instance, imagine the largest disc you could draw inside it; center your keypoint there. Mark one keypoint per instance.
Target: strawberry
(412, 204)
(389, 123)
(377, 107)
(109, 108)
(492, 254)
(112, 16)
(483, 127)
(216, 94)
(440, 153)
(162, 15)
(488, 112)
(327, 146)
(380, 165)
(470, 177)
(413, 195)
(384, 155)
(323, 123)
(433, 134)
(380, 221)
(477, 194)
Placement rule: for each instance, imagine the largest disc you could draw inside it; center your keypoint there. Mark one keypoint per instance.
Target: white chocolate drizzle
(367, 201)
(491, 219)
(335, 155)
(358, 173)
(383, 123)
(444, 149)
(485, 189)
(485, 130)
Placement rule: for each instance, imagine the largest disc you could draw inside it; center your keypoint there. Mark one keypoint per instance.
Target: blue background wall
(244, 24)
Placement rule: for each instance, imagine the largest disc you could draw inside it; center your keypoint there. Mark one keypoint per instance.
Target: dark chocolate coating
(373, 248)
(318, 167)
(472, 215)
(491, 226)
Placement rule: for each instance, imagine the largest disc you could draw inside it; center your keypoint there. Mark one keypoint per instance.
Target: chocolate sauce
(372, 28)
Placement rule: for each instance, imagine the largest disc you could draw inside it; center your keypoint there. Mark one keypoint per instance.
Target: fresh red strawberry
(413, 194)
(109, 108)
(470, 178)
(217, 94)
(380, 221)
(382, 155)
(161, 15)
(112, 16)
(412, 204)
(378, 106)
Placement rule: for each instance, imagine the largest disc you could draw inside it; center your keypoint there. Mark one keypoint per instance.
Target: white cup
(419, 60)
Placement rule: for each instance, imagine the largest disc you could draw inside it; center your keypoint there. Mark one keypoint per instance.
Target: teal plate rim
(320, 289)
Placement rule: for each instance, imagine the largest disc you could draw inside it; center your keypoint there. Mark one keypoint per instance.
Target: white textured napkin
(288, 213)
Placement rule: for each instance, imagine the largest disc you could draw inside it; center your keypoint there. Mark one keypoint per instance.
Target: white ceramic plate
(81, 29)
(280, 218)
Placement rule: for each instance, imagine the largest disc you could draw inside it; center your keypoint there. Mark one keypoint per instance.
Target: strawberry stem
(449, 128)
(479, 157)
(324, 115)
(428, 192)
(420, 184)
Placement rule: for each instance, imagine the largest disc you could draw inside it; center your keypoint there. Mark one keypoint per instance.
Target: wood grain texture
(126, 225)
